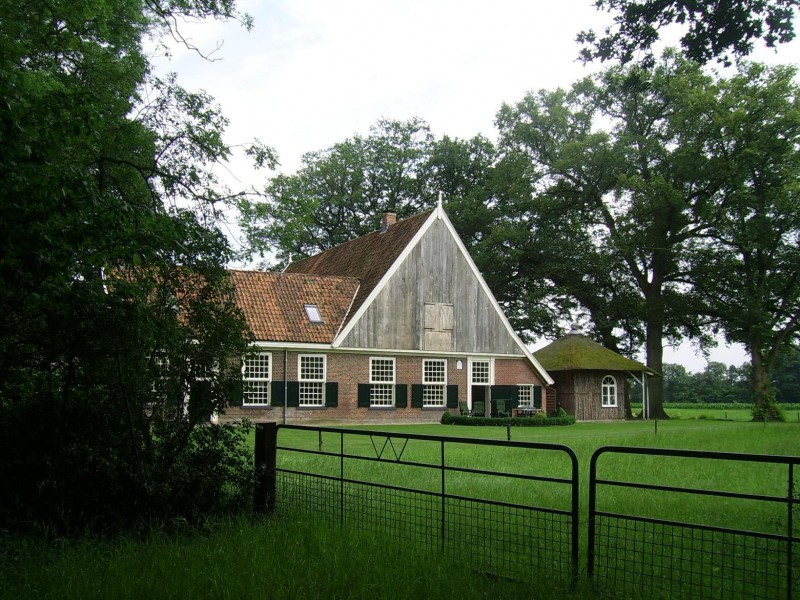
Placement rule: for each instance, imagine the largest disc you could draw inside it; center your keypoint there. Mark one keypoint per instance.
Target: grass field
(278, 558)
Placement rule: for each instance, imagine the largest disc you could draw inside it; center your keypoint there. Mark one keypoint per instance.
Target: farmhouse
(396, 326)
(590, 378)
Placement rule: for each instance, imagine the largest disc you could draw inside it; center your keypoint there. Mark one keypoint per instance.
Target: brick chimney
(389, 219)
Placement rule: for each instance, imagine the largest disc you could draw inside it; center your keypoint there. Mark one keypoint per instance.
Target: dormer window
(312, 312)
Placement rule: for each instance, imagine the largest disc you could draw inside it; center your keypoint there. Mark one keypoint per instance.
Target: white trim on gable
(384, 280)
(544, 375)
(439, 214)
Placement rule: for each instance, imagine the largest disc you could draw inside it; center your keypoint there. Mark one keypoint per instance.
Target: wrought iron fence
(742, 541)
(447, 494)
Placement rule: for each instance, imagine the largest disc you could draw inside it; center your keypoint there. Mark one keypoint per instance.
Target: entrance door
(480, 378)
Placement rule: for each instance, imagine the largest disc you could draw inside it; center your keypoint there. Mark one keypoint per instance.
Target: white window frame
(608, 391)
(381, 393)
(528, 388)
(489, 371)
(434, 392)
(313, 313)
(312, 387)
(262, 382)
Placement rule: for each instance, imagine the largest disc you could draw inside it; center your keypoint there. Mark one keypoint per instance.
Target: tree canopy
(115, 307)
(746, 266)
(724, 30)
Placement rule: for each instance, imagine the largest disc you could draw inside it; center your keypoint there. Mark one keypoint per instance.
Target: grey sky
(314, 72)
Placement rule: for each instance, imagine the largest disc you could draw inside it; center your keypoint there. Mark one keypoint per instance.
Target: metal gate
(449, 494)
(740, 542)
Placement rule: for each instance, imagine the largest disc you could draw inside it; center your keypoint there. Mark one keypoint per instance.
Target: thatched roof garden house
(590, 379)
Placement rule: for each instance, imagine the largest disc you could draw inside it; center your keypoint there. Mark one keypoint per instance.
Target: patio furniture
(502, 411)
(525, 411)
(478, 408)
(463, 408)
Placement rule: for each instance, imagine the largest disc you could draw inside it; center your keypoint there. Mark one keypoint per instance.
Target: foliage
(786, 377)
(612, 197)
(769, 410)
(535, 421)
(745, 268)
(711, 30)
(716, 384)
(115, 306)
(342, 192)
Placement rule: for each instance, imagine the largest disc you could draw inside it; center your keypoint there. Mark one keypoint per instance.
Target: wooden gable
(432, 299)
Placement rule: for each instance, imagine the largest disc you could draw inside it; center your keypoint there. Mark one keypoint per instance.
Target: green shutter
(276, 391)
(364, 395)
(332, 394)
(234, 392)
(537, 396)
(416, 395)
(452, 396)
(401, 395)
(293, 394)
(509, 393)
(200, 401)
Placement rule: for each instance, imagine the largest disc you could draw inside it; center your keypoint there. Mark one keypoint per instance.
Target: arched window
(609, 391)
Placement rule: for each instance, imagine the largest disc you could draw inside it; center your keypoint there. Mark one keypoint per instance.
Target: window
(256, 376)
(609, 391)
(525, 395)
(480, 372)
(438, 335)
(381, 376)
(434, 382)
(312, 379)
(313, 314)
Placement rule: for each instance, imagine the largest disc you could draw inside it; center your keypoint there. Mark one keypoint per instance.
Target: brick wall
(512, 371)
(350, 369)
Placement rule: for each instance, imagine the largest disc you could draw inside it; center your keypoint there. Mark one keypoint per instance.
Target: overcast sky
(312, 73)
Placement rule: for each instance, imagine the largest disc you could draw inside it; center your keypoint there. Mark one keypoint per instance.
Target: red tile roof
(367, 258)
(274, 304)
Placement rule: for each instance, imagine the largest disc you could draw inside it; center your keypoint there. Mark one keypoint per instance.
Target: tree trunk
(655, 346)
(655, 360)
(763, 393)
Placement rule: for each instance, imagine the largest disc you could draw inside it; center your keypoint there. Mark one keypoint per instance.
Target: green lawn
(278, 558)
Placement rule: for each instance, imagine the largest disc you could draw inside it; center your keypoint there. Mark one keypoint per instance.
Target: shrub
(539, 420)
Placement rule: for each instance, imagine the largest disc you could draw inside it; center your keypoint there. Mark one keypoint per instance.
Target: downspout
(285, 382)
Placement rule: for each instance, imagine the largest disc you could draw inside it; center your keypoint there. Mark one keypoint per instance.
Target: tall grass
(278, 558)
(240, 559)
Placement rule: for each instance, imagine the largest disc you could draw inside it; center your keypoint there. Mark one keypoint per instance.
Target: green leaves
(711, 30)
(109, 257)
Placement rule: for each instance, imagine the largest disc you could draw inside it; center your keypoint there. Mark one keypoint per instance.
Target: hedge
(448, 419)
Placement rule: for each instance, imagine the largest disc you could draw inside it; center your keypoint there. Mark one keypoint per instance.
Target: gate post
(265, 455)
